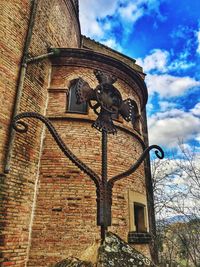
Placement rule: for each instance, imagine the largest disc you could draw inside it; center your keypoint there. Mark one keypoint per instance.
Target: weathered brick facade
(55, 25)
(48, 206)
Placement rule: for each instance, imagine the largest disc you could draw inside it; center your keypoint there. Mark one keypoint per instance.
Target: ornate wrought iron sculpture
(108, 101)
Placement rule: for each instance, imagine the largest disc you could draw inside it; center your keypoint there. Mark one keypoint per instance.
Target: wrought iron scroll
(24, 128)
(108, 102)
(103, 185)
(159, 153)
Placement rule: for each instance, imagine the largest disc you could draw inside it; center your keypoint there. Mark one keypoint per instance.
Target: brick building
(48, 206)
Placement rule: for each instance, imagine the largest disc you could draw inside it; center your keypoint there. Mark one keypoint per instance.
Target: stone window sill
(139, 238)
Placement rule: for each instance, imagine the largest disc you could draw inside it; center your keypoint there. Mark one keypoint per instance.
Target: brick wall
(14, 22)
(48, 207)
(65, 216)
(55, 25)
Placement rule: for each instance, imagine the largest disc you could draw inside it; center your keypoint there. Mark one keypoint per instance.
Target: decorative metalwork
(108, 101)
(22, 127)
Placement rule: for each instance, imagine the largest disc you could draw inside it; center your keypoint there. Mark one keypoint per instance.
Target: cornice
(107, 47)
(91, 59)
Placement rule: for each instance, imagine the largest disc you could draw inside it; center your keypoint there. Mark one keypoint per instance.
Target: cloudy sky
(164, 37)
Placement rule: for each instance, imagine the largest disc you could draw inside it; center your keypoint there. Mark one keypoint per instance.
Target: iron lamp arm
(22, 127)
(159, 153)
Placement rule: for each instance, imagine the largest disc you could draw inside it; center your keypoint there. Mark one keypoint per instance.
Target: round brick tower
(49, 206)
(66, 201)
(28, 29)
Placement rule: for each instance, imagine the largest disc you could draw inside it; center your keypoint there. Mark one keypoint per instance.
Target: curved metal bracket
(24, 128)
(103, 186)
(159, 153)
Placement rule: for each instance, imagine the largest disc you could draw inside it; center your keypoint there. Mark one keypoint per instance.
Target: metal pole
(104, 183)
(20, 85)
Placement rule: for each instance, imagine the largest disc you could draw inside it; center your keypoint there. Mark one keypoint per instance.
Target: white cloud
(149, 107)
(166, 128)
(198, 42)
(160, 61)
(91, 11)
(157, 60)
(107, 26)
(197, 138)
(131, 12)
(180, 65)
(196, 110)
(168, 85)
(112, 43)
(165, 105)
(94, 30)
(138, 8)
(98, 9)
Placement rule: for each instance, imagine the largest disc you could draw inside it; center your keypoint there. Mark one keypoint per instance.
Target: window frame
(70, 100)
(139, 199)
(138, 221)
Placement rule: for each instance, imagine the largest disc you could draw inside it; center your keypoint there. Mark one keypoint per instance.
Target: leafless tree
(176, 184)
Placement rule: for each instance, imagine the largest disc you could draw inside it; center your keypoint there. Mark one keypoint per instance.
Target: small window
(139, 217)
(138, 213)
(72, 106)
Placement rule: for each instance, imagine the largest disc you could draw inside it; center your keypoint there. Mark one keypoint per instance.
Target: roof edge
(86, 54)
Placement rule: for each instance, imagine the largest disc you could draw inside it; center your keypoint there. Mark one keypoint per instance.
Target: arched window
(72, 105)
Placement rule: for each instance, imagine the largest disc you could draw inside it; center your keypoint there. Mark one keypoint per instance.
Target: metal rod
(104, 157)
(150, 195)
(54, 51)
(104, 183)
(159, 153)
(103, 233)
(20, 84)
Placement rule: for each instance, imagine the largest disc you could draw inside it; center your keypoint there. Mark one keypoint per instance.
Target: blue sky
(164, 38)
